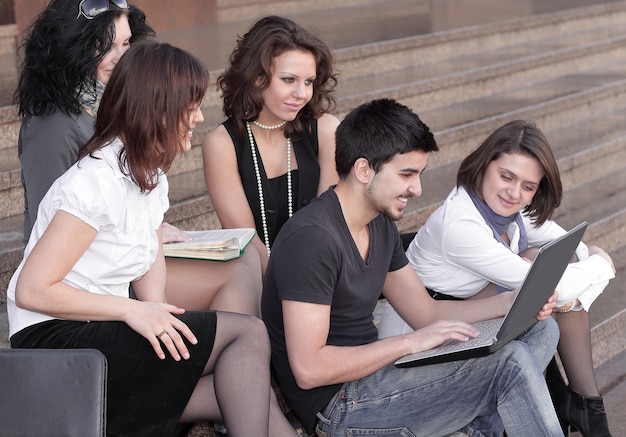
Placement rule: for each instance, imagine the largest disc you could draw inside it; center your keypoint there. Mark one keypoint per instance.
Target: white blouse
(126, 220)
(455, 253)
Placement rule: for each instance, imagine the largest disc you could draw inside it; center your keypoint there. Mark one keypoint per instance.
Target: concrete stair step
(462, 126)
(434, 47)
(528, 95)
(613, 300)
(9, 161)
(8, 62)
(602, 203)
(511, 69)
(9, 126)
(450, 81)
(11, 250)
(247, 10)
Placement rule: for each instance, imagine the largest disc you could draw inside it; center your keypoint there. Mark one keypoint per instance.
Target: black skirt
(145, 395)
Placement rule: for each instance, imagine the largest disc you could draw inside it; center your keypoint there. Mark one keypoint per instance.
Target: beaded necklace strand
(257, 173)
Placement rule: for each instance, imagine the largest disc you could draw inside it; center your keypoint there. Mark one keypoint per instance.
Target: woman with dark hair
(67, 60)
(69, 53)
(480, 241)
(276, 150)
(99, 230)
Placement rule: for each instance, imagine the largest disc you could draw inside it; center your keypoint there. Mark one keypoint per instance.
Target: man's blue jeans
(481, 396)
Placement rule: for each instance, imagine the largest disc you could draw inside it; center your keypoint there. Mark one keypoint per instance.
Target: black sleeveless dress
(305, 180)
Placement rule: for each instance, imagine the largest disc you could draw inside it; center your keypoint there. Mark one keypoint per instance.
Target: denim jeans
(481, 396)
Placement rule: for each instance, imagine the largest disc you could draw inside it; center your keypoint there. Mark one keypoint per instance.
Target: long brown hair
(517, 137)
(147, 104)
(249, 73)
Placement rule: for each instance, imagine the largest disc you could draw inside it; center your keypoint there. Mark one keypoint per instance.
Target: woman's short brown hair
(517, 137)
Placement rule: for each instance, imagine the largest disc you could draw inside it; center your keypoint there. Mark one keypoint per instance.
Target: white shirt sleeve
(94, 196)
(470, 245)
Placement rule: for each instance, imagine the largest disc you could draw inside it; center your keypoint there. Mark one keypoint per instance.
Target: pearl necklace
(266, 127)
(259, 184)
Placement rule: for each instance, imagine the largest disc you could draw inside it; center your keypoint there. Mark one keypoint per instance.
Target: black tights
(575, 352)
(235, 388)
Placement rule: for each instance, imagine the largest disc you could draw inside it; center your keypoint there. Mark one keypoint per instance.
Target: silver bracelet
(574, 305)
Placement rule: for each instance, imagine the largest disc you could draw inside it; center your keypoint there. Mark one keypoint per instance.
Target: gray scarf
(91, 94)
(499, 225)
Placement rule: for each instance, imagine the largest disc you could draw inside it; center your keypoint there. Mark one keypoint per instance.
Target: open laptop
(538, 286)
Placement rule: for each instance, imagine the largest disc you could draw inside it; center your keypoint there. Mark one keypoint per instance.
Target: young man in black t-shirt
(328, 267)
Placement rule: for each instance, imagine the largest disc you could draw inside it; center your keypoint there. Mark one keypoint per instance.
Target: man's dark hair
(377, 131)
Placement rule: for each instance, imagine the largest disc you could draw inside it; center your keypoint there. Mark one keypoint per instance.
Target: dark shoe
(576, 412)
(585, 414)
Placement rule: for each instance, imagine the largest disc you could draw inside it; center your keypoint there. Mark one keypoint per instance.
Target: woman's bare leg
(233, 286)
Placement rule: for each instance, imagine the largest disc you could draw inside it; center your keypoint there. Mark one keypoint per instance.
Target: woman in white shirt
(69, 52)
(480, 241)
(99, 230)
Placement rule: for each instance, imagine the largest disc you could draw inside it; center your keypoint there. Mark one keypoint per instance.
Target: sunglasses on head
(91, 8)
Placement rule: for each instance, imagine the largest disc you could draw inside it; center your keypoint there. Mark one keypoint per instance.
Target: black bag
(52, 392)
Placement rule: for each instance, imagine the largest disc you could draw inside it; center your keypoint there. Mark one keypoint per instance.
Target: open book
(212, 244)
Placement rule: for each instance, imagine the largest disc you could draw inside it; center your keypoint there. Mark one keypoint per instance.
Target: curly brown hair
(249, 73)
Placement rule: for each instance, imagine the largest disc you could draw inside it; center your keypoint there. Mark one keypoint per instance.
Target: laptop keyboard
(488, 329)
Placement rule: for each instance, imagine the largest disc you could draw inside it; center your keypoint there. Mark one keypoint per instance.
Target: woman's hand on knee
(156, 322)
